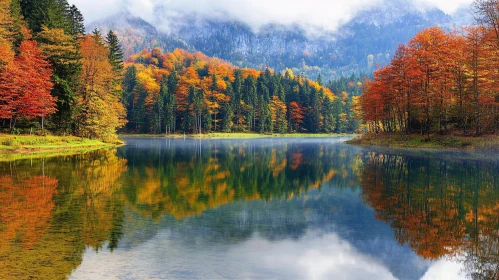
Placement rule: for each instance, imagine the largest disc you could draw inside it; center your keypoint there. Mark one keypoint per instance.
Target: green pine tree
(319, 79)
(228, 111)
(77, 22)
(97, 35)
(250, 98)
(116, 53)
(55, 14)
(129, 84)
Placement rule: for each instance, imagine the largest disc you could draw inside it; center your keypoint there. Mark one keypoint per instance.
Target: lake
(270, 208)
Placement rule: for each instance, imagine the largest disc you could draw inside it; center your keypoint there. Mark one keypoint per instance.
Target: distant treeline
(192, 93)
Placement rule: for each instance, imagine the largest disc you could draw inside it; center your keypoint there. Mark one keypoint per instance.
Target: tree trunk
(159, 118)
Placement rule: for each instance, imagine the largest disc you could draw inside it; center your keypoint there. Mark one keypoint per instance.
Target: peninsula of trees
(440, 82)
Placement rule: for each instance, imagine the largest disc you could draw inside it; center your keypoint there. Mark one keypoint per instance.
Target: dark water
(249, 209)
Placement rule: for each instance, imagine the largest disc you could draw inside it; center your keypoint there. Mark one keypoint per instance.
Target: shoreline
(14, 147)
(401, 141)
(221, 135)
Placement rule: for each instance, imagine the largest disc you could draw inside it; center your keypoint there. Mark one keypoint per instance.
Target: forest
(55, 78)
(440, 82)
(192, 93)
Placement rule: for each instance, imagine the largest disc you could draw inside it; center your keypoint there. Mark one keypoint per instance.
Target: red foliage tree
(296, 115)
(25, 86)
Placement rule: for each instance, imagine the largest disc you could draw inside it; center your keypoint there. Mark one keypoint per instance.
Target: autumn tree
(6, 35)
(26, 85)
(216, 98)
(100, 110)
(278, 111)
(6, 21)
(437, 83)
(62, 51)
(296, 115)
(56, 26)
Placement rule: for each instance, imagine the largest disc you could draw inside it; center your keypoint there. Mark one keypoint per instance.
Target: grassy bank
(28, 146)
(238, 135)
(488, 142)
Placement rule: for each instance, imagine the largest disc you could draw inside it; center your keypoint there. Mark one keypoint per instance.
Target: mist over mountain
(369, 38)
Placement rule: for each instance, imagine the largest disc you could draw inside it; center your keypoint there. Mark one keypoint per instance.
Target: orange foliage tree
(437, 82)
(100, 111)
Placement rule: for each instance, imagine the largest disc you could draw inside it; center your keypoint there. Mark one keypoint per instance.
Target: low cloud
(323, 15)
(448, 6)
(326, 15)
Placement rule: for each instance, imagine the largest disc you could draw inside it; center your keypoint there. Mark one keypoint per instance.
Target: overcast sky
(325, 14)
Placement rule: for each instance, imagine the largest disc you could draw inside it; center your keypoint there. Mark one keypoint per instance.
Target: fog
(321, 15)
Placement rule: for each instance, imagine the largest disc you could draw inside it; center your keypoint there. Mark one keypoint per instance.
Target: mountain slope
(370, 38)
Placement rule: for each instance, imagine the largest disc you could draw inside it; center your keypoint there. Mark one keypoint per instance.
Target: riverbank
(13, 147)
(416, 141)
(221, 135)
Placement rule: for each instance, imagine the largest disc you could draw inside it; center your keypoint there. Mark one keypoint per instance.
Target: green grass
(400, 140)
(28, 146)
(48, 153)
(236, 135)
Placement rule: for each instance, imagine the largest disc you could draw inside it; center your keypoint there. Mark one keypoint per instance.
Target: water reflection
(266, 208)
(185, 178)
(52, 209)
(441, 208)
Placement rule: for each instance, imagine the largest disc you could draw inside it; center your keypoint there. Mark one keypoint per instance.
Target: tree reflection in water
(441, 208)
(185, 179)
(52, 210)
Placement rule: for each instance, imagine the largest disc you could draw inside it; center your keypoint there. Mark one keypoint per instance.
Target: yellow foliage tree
(278, 111)
(6, 20)
(101, 112)
(58, 46)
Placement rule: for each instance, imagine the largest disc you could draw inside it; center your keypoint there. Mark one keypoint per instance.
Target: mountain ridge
(358, 46)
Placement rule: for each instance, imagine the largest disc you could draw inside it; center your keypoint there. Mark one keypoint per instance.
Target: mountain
(368, 39)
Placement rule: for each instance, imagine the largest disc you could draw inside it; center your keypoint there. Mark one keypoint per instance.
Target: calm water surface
(249, 209)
